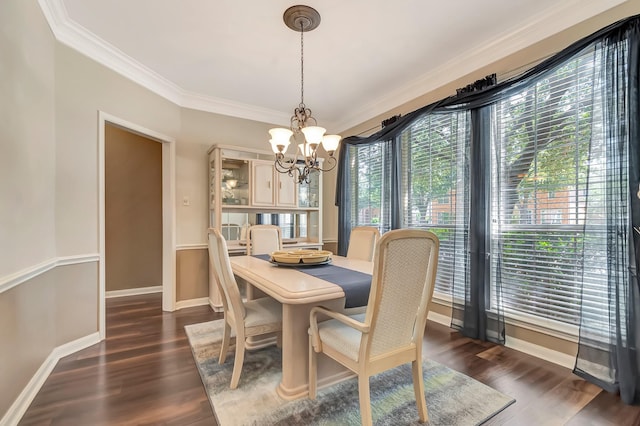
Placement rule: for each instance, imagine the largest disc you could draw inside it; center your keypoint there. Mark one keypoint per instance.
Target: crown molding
(79, 38)
(235, 109)
(539, 27)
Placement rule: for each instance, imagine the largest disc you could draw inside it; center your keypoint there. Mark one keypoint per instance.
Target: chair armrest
(347, 320)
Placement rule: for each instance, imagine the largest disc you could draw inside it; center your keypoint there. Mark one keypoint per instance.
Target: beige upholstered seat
(390, 332)
(246, 319)
(362, 242)
(264, 239)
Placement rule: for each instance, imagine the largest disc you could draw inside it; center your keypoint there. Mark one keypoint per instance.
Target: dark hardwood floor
(144, 374)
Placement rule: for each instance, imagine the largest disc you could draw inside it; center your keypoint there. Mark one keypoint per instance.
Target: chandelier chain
(301, 65)
(303, 127)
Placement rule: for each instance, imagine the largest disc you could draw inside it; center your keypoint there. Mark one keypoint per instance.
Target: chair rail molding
(15, 279)
(197, 246)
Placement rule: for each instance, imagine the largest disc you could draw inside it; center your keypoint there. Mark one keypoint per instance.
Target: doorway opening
(109, 124)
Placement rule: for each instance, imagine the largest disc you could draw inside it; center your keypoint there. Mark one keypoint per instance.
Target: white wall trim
(439, 318)
(216, 308)
(551, 328)
(552, 21)
(200, 246)
(77, 259)
(168, 211)
(22, 402)
(13, 280)
(77, 37)
(133, 291)
(556, 357)
(201, 301)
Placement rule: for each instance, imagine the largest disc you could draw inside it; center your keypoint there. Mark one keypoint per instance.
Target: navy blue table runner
(354, 284)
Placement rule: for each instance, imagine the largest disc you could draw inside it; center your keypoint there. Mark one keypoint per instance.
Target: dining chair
(390, 332)
(246, 319)
(230, 231)
(264, 239)
(362, 242)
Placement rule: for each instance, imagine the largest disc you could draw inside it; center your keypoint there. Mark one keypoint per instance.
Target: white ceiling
(367, 56)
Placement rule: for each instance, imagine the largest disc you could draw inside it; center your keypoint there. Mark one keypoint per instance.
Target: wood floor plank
(143, 373)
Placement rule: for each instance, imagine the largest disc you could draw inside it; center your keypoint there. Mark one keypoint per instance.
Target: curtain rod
(500, 77)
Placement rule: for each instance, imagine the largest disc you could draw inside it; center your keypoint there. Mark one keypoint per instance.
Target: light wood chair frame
(234, 308)
(249, 242)
(366, 365)
(352, 250)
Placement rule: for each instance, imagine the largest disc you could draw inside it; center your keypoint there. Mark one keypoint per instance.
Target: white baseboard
(559, 358)
(556, 357)
(133, 291)
(439, 318)
(216, 308)
(192, 302)
(20, 405)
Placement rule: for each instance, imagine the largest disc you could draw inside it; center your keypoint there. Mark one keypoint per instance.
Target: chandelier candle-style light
(301, 19)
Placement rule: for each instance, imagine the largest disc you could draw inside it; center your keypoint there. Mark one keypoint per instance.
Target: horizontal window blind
(540, 167)
(433, 159)
(371, 185)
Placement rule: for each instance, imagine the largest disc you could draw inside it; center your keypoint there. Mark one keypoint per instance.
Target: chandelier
(304, 127)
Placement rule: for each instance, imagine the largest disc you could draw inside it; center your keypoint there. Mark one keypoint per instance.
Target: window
(539, 173)
(371, 185)
(549, 202)
(433, 158)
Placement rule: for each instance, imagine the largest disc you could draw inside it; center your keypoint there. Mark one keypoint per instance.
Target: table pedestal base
(295, 353)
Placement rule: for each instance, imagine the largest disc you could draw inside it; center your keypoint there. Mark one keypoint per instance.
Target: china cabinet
(245, 189)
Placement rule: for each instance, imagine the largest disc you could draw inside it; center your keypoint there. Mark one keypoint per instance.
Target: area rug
(452, 397)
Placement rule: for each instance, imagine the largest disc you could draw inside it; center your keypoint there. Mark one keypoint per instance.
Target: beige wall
(133, 210)
(192, 273)
(199, 131)
(27, 143)
(83, 88)
(27, 193)
(39, 315)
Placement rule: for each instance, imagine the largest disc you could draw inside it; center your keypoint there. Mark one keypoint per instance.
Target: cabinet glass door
(309, 193)
(235, 182)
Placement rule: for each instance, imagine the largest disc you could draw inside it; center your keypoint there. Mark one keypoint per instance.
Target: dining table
(339, 284)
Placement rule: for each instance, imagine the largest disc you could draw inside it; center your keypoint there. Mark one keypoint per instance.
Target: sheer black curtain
(615, 364)
(344, 196)
(471, 314)
(608, 346)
